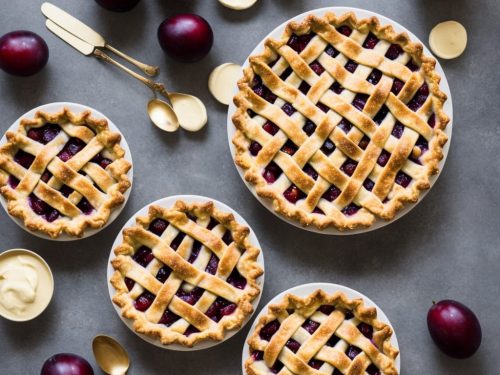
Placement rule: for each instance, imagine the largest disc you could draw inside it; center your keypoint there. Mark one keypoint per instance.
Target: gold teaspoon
(111, 357)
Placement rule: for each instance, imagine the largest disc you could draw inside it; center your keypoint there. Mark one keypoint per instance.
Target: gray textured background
(446, 248)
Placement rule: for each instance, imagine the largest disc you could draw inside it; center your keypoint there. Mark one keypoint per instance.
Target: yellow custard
(26, 285)
(448, 39)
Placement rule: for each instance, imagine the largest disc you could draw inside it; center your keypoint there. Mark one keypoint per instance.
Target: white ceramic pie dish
(306, 289)
(54, 107)
(448, 108)
(169, 202)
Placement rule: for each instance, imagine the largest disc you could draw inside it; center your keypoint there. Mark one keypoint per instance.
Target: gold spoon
(111, 357)
(162, 115)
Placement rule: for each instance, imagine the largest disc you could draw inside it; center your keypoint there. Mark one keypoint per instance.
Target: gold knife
(78, 29)
(89, 50)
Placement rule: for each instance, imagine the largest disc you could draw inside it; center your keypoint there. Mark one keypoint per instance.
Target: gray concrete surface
(448, 247)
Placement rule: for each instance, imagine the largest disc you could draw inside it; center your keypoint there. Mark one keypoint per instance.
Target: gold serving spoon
(111, 357)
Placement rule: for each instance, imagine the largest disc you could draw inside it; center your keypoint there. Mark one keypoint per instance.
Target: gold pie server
(111, 357)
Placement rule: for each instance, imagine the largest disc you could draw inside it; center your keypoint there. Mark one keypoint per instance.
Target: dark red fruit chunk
(420, 98)
(49, 132)
(365, 141)
(422, 144)
(265, 93)
(397, 85)
(46, 176)
(403, 179)
(310, 171)
(310, 326)
(304, 87)
(71, 148)
(381, 114)
(13, 182)
(317, 68)
(352, 351)
(323, 107)
(370, 41)
(383, 158)
(368, 184)
(129, 283)
(349, 167)
(328, 147)
(316, 364)
(373, 370)
(293, 194)
(66, 191)
(309, 127)
(43, 209)
(366, 330)
(299, 43)
(374, 76)
(228, 310)
(359, 101)
(85, 206)
(454, 328)
(326, 309)
(332, 341)
(23, 53)
(412, 66)
(432, 121)
(52, 215)
(337, 88)
(227, 238)
(213, 263)
(345, 30)
(190, 297)
(257, 355)
(345, 125)
(398, 130)
(219, 309)
(351, 66)
(24, 159)
(270, 127)
(286, 73)
(212, 224)
(177, 240)
(143, 302)
(350, 210)
(163, 274)
(288, 109)
(268, 331)
(251, 113)
(168, 318)
(393, 52)
(289, 148)
(158, 226)
(293, 345)
(318, 211)
(272, 172)
(102, 161)
(331, 51)
(190, 330)
(237, 280)
(255, 148)
(332, 193)
(143, 256)
(195, 251)
(277, 367)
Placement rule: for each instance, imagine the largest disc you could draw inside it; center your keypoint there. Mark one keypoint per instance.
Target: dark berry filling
(368, 184)
(286, 73)
(212, 224)
(381, 114)
(263, 91)
(374, 76)
(13, 182)
(412, 66)
(359, 101)
(332, 193)
(420, 98)
(331, 51)
(129, 283)
(299, 43)
(272, 172)
(348, 315)
(251, 113)
(212, 265)
(315, 364)
(352, 351)
(168, 318)
(323, 107)
(318, 211)
(310, 326)
(351, 66)
(398, 130)
(73, 147)
(255, 148)
(373, 370)
(257, 355)
(101, 160)
(177, 240)
(85, 206)
(332, 341)
(293, 194)
(397, 85)
(277, 367)
(145, 300)
(43, 209)
(66, 191)
(393, 52)
(370, 41)
(328, 147)
(190, 297)
(317, 68)
(349, 167)
(345, 125)
(270, 127)
(46, 176)
(190, 330)
(336, 88)
(163, 274)
(289, 148)
(304, 87)
(326, 309)
(288, 109)
(268, 331)
(363, 144)
(293, 345)
(345, 30)
(432, 121)
(403, 179)
(227, 238)
(366, 330)
(350, 210)
(309, 127)
(195, 251)
(310, 171)
(219, 309)
(45, 134)
(383, 158)
(422, 144)
(237, 280)
(158, 226)
(143, 256)
(24, 159)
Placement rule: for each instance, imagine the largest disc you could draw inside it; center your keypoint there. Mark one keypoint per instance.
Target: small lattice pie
(340, 122)
(321, 334)
(186, 274)
(63, 172)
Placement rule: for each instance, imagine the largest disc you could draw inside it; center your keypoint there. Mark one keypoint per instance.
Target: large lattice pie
(321, 334)
(63, 172)
(340, 121)
(186, 274)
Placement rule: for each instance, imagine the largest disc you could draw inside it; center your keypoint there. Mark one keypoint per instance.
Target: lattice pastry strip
(186, 274)
(63, 172)
(321, 334)
(340, 121)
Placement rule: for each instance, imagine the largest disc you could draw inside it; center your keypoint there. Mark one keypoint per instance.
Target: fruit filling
(220, 308)
(237, 280)
(263, 91)
(309, 128)
(289, 148)
(383, 158)
(44, 134)
(143, 256)
(288, 109)
(74, 146)
(190, 297)
(359, 101)
(349, 167)
(310, 326)
(317, 68)
(299, 42)
(255, 148)
(272, 172)
(328, 147)
(304, 87)
(270, 127)
(158, 226)
(419, 98)
(144, 301)
(213, 264)
(332, 193)
(268, 331)
(393, 52)
(293, 345)
(370, 41)
(293, 194)
(43, 209)
(315, 364)
(374, 76)
(351, 66)
(350, 210)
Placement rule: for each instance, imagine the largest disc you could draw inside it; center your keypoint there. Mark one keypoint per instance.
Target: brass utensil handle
(148, 69)
(155, 86)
